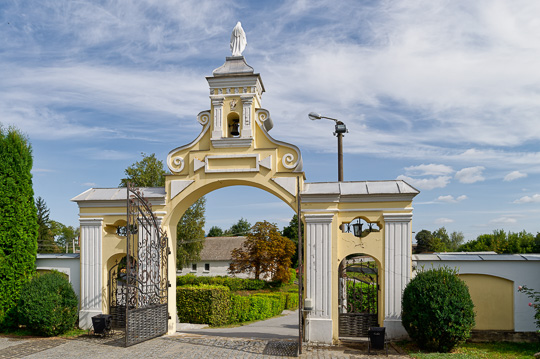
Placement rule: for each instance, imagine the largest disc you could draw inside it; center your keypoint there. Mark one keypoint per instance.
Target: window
(194, 267)
(207, 267)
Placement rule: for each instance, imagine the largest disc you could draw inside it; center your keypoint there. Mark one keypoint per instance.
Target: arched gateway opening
(234, 148)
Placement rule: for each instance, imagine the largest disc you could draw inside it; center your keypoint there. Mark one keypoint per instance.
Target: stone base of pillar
(85, 317)
(395, 329)
(319, 330)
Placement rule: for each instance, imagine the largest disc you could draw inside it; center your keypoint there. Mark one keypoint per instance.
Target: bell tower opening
(233, 125)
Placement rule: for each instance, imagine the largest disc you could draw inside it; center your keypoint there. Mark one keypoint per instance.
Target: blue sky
(442, 94)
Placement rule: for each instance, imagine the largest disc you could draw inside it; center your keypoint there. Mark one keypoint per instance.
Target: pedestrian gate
(358, 296)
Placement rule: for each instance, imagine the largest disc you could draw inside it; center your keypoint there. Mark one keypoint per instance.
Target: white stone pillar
(91, 270)
(247, 132)
(217, 132)
(318, 270)
(397, 269)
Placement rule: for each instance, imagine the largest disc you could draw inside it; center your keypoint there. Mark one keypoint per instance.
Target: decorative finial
(238, 40)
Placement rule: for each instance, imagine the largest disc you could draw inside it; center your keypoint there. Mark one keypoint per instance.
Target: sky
(442, 94)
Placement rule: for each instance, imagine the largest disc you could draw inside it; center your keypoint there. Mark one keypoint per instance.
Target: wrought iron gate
(358, 296)
(138, 284)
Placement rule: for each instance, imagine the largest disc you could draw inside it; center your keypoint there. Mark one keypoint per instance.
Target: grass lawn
(494, 350)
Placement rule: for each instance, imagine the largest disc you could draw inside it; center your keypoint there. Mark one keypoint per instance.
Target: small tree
(190, 234)
(437, 309)
(265, 253)
(18, 218)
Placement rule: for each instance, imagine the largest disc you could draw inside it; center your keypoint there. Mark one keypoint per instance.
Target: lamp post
(340, 129)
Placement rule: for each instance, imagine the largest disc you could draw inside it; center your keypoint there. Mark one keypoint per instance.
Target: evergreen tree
(190, 234)
(215, 231)
(46, 232)
(18, 218)
(291, 232)
(240, 228)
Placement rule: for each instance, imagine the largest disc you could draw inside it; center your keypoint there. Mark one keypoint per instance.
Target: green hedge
(216, 305)
(234, 284)
(203, 304)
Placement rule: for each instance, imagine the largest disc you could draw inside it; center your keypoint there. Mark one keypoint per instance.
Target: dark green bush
(203, 304)
(437, 309)
(233, 283)
(48, 305)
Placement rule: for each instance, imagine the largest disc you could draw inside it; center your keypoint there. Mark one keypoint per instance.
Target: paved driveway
(272, 338)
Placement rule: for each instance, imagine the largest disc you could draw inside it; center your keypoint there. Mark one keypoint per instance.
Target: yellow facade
(493, 299)
(234, 148)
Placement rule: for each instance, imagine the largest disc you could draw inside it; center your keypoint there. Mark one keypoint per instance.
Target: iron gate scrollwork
(358, 296)
(138, 284)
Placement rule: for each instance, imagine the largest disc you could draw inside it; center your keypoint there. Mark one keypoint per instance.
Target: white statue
(238, 40)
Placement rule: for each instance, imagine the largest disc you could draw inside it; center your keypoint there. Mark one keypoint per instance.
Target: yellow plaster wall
(493, 299)
(344, 244)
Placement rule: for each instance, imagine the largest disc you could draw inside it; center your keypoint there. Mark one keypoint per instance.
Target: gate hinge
(168, 250)
(169, 314)
(169, 283)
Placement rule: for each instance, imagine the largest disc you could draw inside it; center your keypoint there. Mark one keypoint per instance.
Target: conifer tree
(18, 218)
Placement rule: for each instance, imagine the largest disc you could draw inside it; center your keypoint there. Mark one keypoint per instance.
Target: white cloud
(535, 198)
(89, 184)
(444, 221)
(470, 174)
(428, 170)
(41, 170)
(504, 220)
(451, 199)
(426, 183)
(514, 175)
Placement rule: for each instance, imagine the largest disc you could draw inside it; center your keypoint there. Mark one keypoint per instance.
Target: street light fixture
(339, 130)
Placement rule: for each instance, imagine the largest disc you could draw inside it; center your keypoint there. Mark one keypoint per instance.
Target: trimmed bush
(234, 284)
(203, 304)
(292, 301)
(437, 309)
(48, 305)
(292, 275)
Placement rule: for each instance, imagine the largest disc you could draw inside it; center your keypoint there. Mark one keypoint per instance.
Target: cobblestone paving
(21, 350)
(178, 346)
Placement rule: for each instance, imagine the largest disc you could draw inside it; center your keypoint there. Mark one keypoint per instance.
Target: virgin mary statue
(238, 40)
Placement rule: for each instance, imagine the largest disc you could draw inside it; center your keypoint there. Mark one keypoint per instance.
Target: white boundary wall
(67, 263)
(522, 269)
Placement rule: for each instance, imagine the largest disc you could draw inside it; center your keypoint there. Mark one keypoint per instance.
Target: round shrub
(48, 305)
(437, 309)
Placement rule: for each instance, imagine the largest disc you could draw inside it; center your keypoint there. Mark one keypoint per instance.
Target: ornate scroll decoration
(178, 163)
(203, 117)
(288, 161)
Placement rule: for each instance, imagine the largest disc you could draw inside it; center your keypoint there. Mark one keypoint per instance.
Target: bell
(235, 128)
